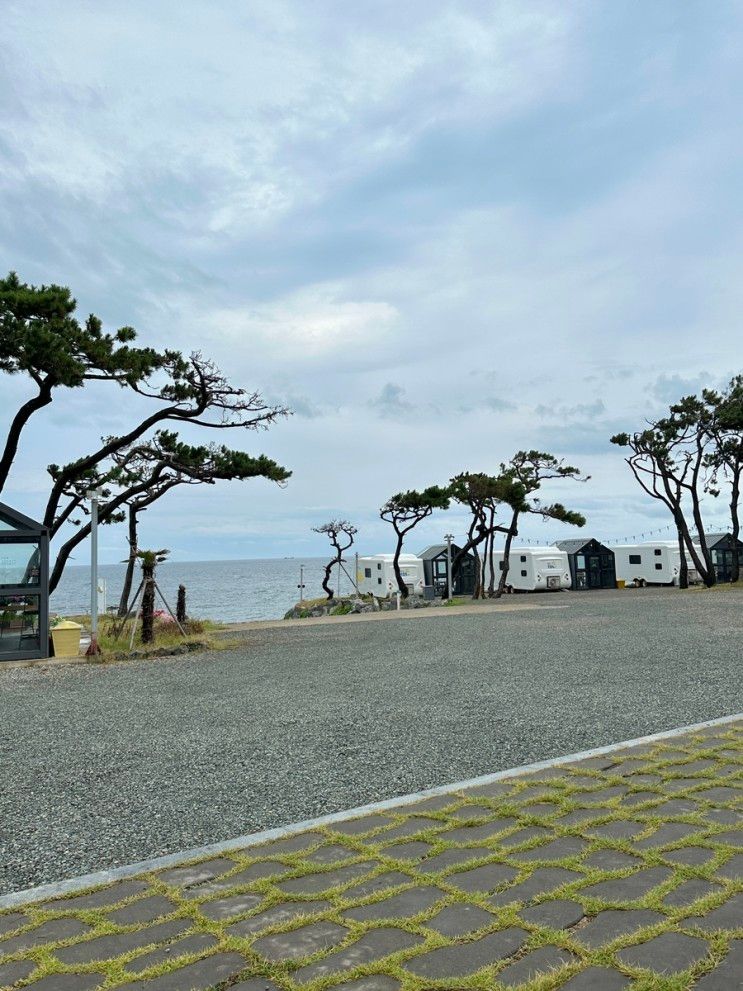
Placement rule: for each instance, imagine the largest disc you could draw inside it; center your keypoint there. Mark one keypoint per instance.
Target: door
(593, 578)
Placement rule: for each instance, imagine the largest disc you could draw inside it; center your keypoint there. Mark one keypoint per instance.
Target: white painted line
(56, 889)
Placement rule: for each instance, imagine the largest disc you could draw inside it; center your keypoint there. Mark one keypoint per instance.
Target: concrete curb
(59, 888)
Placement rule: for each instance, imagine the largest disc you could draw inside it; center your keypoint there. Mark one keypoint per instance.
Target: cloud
(391, 403)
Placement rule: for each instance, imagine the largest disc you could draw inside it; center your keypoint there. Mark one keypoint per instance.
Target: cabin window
(635, 559)
(523, 558)
(523, 574)
(379, 581)
(657, 552)
(367, 572)
(658, 567)
(379, 567)
(580, 561)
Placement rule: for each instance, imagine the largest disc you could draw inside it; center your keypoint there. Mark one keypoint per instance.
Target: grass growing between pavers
(511, 824)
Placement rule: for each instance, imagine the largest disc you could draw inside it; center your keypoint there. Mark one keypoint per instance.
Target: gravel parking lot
(105, 765)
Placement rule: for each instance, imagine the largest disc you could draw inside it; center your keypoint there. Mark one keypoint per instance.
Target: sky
(438, 232)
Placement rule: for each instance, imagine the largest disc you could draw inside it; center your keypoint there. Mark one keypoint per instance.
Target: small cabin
(24, 587)
(722, 547)
(376, 574)
(436, 567)
(591, 563)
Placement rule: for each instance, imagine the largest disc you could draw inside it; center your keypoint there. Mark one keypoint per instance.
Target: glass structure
(24, 587)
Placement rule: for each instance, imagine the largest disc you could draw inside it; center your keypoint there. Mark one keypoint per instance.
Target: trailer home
(377, 575)
(535, 569)
(652, 563)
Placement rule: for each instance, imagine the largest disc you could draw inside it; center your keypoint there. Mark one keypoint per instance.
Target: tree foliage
(404, 511)
(341, 534)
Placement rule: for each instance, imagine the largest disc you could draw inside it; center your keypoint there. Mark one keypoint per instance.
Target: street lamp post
(93, 495)
(448, 537)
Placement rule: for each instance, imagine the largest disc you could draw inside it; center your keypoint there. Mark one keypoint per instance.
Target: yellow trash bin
(620, 582)
(66, 638)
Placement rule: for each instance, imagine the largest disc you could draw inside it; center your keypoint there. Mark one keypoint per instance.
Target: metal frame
(28, 531)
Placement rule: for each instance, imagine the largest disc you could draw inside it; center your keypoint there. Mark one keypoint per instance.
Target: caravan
(657, 563)
(535, 569)
(376, 574)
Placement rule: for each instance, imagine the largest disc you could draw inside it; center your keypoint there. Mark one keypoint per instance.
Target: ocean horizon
(230, 591)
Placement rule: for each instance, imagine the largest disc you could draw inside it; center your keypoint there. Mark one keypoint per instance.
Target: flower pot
(66, 639)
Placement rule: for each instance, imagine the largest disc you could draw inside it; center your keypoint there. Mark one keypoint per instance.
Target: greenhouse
(24, 587)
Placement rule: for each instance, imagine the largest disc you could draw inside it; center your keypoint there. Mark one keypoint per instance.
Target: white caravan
(377, 575)
(535, 569)
(651, 563)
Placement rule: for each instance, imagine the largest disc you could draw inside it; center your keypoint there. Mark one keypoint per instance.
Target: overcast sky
(440, 232)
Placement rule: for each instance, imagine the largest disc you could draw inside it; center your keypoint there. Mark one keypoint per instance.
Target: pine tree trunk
(126, 591)
(684, 566)
(148, 605)
(735, 496)
(396, 567)
(512, 531)
(180, 605)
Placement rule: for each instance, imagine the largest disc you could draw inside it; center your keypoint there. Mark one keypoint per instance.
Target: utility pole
(93, 495)
(301, 584)
(448, 537)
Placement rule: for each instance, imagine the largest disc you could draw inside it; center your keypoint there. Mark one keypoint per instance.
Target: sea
(228, 591)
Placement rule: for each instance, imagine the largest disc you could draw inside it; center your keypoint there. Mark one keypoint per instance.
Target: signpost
(448, 537)
(93, 495)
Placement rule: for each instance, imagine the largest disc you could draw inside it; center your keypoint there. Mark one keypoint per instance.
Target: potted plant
(65, 637)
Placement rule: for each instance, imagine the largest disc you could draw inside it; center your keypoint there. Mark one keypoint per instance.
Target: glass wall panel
(19, 563)
(19, 623)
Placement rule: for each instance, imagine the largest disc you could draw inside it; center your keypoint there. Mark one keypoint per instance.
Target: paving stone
(313, 884)
(726, 916)
(601, 796)
(462, 959)
(690, 891)
(526, 835)
(374, 982)
(16, 970)
(225, 908)
(302, 942)
(542, 881)
(410, 827)
(583, 781)
(203, 975)
(98, 899)
(184, 877)
(390, 879)
(143, 910)
(610, 860)
(534, 964)
(14, 920)
(331, 853)
(734, 837)
(670, 832)
(47, 932)
(495, 789)
(481, 833)
(728, 975)
(531, 793)
(474, 812)
(733, 868)
(723, 817)
(262, 869)
(694, 856)
(195, 943)
(485, 878)
(105, 947)
(374, 945)
(695, 766)
(626, 889)
(597, 979)
(403, 905)
(628, 767)
(449, 858)
(640, 797)
(666, 954)
(275, 916)
(682, 784)
(560, 913)
(357, 827)
(578, 816)
(622, 829)
(610, 924)
(674, 807)
(460, 920)
(563, 846)
(595, 763)
(69, 982)
(542, 809)
(721, 793)
(414, 850)
(289, 844)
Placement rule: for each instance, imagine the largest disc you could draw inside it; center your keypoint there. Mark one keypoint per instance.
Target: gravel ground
(106, 765)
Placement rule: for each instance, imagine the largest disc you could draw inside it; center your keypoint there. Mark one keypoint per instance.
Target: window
(523, 574)
(580, 561)
(379, 567)
(635, 559)
(20, 563)
(658, 566)
(523, 558)
(379, 581)
(657, 552)
(367, 572)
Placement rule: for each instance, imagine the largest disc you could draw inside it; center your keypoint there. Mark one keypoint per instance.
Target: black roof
(575, 545)
(716, 538)
(18, 521)
(435, 550)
